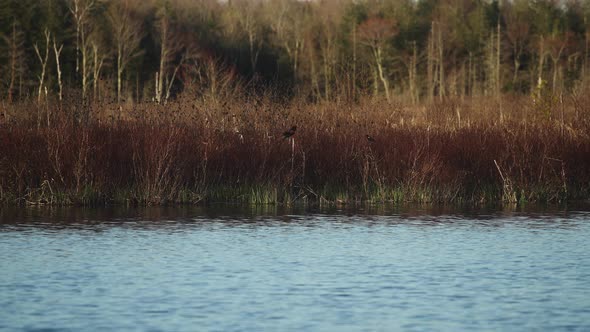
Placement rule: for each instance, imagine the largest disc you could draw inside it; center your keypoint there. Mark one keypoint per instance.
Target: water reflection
(178, 217)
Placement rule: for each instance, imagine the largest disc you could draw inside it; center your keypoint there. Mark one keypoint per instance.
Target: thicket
(155, 102)
(513, 149)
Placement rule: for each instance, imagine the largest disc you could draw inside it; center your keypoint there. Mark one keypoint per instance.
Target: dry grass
(515, 149)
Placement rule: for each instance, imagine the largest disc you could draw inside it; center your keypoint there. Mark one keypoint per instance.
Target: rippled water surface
(232, 269)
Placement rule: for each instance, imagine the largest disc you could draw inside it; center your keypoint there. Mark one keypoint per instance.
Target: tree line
(418, 50)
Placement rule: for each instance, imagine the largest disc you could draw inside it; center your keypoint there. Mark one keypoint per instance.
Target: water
(233, 269)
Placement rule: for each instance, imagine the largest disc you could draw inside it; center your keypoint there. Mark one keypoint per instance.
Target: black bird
(370, 139)
(289, 132)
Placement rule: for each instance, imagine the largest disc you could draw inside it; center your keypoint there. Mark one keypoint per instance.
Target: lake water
(240, 269)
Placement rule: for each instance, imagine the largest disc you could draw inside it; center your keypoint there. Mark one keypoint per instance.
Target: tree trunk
(163, 59)
(441, 64)
(586, 49)
(379, 60)
(43, 60)
(412, 73)
(470, 75)
(541, 63)
(169, 88)
(98, 62)
(464, 80)
(13, 59)
(253, 53)
(430, 64)
(315, 85)
(80, 12)
(516, 67)
(555, 74)
(493, 65)
(498, 62)
(84, 67)
(354, 61)
(119, 73)
(57, 52)
(326, 51)
(375, 82)
(75, 11)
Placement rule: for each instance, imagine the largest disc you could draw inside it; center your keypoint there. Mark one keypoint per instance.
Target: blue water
(197, 270)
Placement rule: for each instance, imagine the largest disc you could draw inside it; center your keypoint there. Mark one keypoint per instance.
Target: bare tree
(170, 45)
(43, 58)
(288, 22)
(556, 45)
(517, 34)
(210, 77)
(329, 21)
(81, 11)
(410, 59)
(57, 52)
(127, 34)
(98, 58)
(435, 60)
(375, 33)
(441, 68)
(251, 23)
(586, 47)
(431, 61)
(493, 63)
(98, 47)
(541, 53)
(586, 53)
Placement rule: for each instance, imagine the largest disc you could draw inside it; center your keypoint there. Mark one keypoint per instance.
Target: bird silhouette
(289, 132)
(370, 139)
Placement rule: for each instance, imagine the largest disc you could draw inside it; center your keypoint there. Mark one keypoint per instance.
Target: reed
(197, 151)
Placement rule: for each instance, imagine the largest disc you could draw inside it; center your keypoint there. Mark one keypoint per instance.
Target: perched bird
(289, 132)
(370, 139)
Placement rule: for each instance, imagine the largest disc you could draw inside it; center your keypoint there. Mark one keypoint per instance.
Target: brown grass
(515, 149)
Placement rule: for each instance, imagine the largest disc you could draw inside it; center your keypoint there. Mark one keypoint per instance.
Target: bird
(370, 139)
(289, 132)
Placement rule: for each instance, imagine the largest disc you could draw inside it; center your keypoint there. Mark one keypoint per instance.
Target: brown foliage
(448, 151)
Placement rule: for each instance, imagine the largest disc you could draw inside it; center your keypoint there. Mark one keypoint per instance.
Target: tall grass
(479, 150)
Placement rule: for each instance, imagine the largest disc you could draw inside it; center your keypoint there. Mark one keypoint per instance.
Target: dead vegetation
(474, 150)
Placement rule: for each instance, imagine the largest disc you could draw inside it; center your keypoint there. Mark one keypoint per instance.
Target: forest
(319, 50)
(187, 101)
